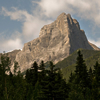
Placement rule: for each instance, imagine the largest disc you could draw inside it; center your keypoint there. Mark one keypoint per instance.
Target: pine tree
(1, 83)
(16, 68)
(53, 86)
(81, 73)
(42, 71)
(96, 82)
(28, 76)
(90, 76)
(42, 66)
(32, 74)
(71, 77)
(97, 73)
(60, 86)
(34, 71)
(5, 65)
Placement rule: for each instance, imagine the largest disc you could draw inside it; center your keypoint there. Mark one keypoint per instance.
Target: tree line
(40, 83)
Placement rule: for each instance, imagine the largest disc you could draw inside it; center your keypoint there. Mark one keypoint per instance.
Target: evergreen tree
(71, 77)
(97, 73)
(53, 86)
(1, 83)
(60, 86)
(16, 68)
(5, 66)
(32, 74)
(28, 76)
(96, 82)
(90, 76)
(42, 66)
(42, 71)
(81, 73)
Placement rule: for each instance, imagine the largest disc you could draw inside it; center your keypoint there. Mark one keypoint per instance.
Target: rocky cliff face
(55, 42)
(12, 55)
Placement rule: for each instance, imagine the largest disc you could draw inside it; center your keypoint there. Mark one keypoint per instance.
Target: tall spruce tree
(53, 86)
(32, 74)
(90, 76)
(96, 82)
(34, 71)
(42, 71)
(5, 65)
(81, 73)
(97, 73)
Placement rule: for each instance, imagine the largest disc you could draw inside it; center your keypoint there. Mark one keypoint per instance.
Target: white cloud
(16, 14)
(97, 42)
(86, 9)
(31, 23)
(11, 44)
(54, 7)
(31, 28)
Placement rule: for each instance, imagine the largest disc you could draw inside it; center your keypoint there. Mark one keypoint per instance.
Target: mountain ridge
(56, 41)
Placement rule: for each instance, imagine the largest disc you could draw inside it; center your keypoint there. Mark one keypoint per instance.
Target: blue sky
(22, 20)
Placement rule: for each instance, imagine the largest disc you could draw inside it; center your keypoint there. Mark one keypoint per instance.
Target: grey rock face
(56, 41)
(11, 55)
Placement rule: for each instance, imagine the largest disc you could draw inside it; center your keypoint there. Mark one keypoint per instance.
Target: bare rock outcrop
(56, 41)
(11, 55)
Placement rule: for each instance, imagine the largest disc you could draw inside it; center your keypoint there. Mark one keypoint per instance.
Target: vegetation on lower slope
(42, 84)
(68, 64)
(71, 59)
(36, 85)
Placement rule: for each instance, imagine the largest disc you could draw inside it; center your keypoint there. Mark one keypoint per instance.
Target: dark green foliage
(67, 65)
(16, 68)
(83, 84)
(90, 56)
(81, 71)
(42, 72)
(97, 72)
(42, 84)
(5, 68)
(90, 77)
(53, 86)
(32, 74)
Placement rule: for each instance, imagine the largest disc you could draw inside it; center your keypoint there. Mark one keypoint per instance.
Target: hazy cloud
(42, 15)
(31, 23)
(31, 28)
(11, 44)
(97, 42)
(85, 9)
(15, 14)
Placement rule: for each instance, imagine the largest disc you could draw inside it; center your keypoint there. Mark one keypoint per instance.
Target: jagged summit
(63, 23)
(56, 41)
(63, 15)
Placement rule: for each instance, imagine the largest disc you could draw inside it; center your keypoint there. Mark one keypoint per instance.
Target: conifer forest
(40, 83)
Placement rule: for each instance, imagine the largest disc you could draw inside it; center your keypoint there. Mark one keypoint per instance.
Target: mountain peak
(63, 23)
(62, 15)
(65, 18)
(56, 42)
